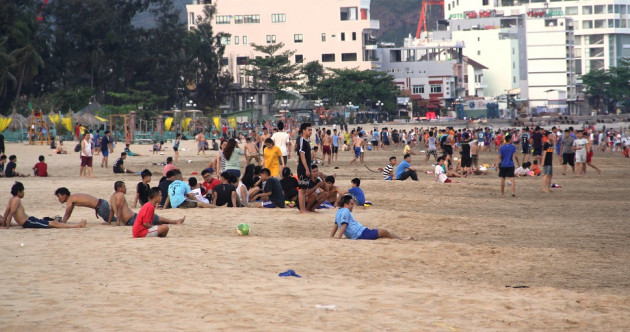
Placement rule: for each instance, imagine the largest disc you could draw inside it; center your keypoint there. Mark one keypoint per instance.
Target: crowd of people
(267, 180)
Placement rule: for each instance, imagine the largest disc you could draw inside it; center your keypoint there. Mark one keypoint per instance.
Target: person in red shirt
(41, 168)
(209, 182)
(143, 225)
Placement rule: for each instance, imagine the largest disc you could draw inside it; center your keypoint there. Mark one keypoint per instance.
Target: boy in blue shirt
(507, 152)
(405, 171)
(345, 223)
(356, 192)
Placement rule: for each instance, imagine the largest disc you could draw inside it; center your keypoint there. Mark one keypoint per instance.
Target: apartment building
(601, 27)
(337, 33)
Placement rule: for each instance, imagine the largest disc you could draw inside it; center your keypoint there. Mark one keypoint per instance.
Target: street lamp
(191, 104)
(285, 106)
(251, 102)
(379, 104)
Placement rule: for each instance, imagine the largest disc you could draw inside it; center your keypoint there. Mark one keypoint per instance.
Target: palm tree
(6, 61)
(27, 58)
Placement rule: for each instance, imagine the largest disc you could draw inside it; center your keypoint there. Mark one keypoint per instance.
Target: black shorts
(525, 149)
(537, 151)
(33, 222)
(466, 161)
(374, 142)
(506, 172)
(568, 158)
(175, 149)
(448, 149)
(335, 150)
(304, 182)
(386, 142)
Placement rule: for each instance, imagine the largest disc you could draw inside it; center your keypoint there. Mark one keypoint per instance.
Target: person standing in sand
(86, 156)
(15, 210)
(505, 163)
(124, 214)
(327, 148)
(100, 206)
(303, 150)
(201, 142)
(352, 229)
(106, 147)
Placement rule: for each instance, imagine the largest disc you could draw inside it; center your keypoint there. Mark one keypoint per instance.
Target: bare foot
(513, 195)
(180, 221)
(83, 223)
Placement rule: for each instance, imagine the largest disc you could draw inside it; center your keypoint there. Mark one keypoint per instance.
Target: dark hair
(535, 162)
(3, 157)
(118, 184)
(257, 170)
(280, 125)
(177, 172)
(392, 158)
(265, 171)
(328, 132)
(286, 172)
(441, 158)
(330, 179)
(41, 158)
(169, 160)
(406, 155)
(16, 188)
(107, 132)
(192, 181)
(269, 141)
(62, 191)
(204, 172)
(356, 181)
(315, 148)
(178, 135)
(248, 176)
(12, 157)
(145, 172)
(170, 174)
(123, 154)
(314, 166)
(345, 199)
(154, 192)
(226, 175)
(303, 126)
(229, 148)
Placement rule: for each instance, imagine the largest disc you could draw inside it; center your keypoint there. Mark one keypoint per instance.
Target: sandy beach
(466, 270)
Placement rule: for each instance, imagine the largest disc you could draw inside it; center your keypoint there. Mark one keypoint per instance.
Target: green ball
(242, 229)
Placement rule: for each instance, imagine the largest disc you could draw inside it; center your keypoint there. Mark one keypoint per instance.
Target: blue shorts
(268, 204)
(105, 152)
(369, 234)
(547, 170)
(156, 220)
(357, 152)
(33, 222)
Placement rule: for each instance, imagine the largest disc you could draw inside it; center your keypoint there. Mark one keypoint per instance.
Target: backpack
(77, 148)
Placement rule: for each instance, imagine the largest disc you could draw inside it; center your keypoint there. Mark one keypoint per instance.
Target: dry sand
(570, 247)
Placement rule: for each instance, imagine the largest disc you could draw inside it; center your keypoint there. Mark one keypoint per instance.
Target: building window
(348, 13)
(587, 24)
(241, 60)
(235, 40)
(251, 19)
(436, 88)
(323, 37)
(224, 61)
(223, 19)
(343, 36)
(485, 2)
(271, 39)
(354, 36)
(277, 18)
(298, 38)
(479, 52)
(600, 24)
(599, 9)
(587, 10)
(244, 40)
(192, 18)
(225, 40)
(299, 58)
(348, 57)
(238, 19)
(571, 10)
(417, 89)
(330, 57)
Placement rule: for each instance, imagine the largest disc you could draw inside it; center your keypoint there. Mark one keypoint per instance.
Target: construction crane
(423, 18)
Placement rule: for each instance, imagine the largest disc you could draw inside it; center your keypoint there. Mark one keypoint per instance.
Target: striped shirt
(387, 172)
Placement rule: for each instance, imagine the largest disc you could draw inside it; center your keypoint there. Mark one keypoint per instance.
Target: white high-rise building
(601, 27)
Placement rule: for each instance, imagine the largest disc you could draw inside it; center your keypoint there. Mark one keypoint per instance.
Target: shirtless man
(124, 213)
(201, 142)
(327, 147)
(251, 152)
(15, 210)
(357, 144)
(100, 206)
(333, 191)
(317, 191)
(263, 138)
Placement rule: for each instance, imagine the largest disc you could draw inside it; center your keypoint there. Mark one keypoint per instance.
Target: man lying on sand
(124, 214)
(15, 210)
(345, 223)
(100, 206)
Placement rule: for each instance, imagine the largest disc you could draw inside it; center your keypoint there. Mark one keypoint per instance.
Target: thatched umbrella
(18, 122)
(86, 116)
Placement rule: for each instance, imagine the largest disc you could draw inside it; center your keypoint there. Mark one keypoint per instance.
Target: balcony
(375, 24)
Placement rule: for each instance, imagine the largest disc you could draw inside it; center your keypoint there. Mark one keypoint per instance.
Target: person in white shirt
(281, 140)
(579, 146)
(440, 174)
